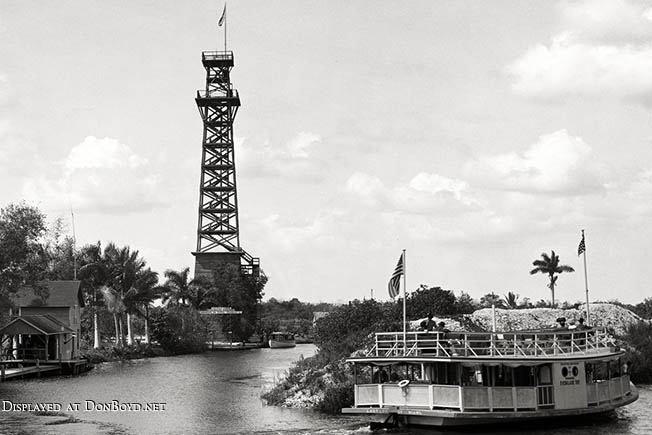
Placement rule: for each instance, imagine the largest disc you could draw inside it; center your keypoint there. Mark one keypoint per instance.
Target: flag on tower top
(582, 246)
(223, 17)
(394, 283)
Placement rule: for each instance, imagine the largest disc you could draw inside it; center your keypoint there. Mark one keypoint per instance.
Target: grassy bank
(312, 383)
(115, 353)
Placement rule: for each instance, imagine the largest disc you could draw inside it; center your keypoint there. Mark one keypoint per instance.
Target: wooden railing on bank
(522, 344)
(24, 354)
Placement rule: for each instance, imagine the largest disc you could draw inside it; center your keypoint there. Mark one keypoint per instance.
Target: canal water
(218, 393)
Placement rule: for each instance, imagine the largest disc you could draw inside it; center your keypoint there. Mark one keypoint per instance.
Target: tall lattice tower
(218, 235)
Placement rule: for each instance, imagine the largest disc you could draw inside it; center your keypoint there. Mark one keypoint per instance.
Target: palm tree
(550, 265)
(94, 273)
(141, 295)
(178, 289)
(116, 307)
(511, 300)
(126, 267)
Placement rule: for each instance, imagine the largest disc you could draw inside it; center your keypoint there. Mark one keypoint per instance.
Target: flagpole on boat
(586, 281)
(404, 312)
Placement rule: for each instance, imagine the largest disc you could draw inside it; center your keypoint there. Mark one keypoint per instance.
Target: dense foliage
(349, 326)
(178, 329)
(638, 339)
(424, 300)
(292, 316)
(22, 229)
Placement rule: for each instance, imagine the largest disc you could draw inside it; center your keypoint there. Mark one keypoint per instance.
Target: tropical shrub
(178, 329)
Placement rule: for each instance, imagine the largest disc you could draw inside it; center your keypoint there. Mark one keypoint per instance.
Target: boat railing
(521, 344)
(481, 398)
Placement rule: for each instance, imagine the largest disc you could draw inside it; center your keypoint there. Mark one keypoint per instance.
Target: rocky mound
(602, 315)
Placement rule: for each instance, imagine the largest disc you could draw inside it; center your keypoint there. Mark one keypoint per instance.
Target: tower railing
(218, 93)
(217, 55)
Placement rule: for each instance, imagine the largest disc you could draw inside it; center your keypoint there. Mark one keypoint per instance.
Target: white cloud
(295, 159)
(556, 164)
(424, 193)
(94, 153)
(605, 50)
(607, 21)
(368, 187)
(100, 175)
(299, 147)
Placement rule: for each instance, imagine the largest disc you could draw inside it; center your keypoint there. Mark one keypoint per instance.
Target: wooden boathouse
(43, 333)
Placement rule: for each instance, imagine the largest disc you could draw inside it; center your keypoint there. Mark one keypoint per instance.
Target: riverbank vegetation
(128, 312)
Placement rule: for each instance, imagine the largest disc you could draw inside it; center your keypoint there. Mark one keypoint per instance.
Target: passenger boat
(281, 339)
(461, 379)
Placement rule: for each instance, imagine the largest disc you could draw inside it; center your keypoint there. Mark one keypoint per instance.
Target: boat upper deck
(539, 344)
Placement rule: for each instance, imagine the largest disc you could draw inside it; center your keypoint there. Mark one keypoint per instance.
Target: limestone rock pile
(602, 315)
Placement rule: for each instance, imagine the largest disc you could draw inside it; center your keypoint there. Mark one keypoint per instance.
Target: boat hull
(281, 344)
(413, 416)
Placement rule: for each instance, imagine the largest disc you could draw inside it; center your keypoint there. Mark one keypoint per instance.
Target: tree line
(118, 286)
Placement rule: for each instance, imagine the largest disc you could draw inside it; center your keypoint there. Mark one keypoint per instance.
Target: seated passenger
(428, 325)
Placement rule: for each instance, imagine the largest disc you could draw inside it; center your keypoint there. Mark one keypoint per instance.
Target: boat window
(524, 376)
(439, 373)
(503, 376)
(600, 371)
(452, 377)
(472, 376)
(381, 375)
(364, 373)
(545, 375)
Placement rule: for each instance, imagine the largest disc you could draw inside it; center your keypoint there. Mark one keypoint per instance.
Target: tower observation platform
(218, 234)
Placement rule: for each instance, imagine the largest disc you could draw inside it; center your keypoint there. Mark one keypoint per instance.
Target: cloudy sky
(475, 135)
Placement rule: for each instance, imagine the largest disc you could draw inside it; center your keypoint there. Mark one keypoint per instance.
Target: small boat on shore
(465, 378)
(281, 339)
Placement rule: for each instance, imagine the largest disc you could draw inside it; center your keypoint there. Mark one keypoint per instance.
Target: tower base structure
(206, 263)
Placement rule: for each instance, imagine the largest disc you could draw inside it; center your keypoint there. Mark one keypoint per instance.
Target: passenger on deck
(428, 325)
(441, 327)
(580, 324)
(562, 322)
(381, 377)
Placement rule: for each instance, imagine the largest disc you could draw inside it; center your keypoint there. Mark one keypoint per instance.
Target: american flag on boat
(582, 247)
(394, 283)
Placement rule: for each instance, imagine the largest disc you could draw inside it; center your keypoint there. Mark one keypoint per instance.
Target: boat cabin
(281, 339)
(445, 378)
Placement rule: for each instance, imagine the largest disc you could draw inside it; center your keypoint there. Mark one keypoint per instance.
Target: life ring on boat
(404, 383)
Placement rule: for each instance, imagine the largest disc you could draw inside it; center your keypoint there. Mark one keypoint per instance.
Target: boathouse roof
(38, 324)
(51, 294)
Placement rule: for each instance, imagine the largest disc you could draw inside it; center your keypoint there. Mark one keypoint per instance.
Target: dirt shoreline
(32, 423)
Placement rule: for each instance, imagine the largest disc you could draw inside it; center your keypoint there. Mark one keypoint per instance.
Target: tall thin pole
(221, 21)
(74, 246)
(225, 27)
(586, 283)
(404, 305)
